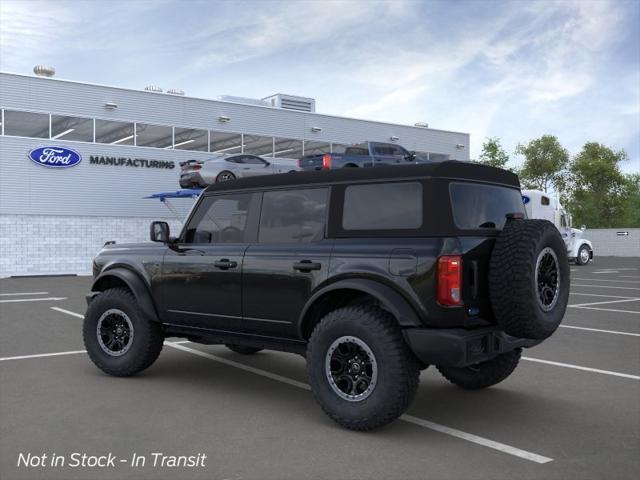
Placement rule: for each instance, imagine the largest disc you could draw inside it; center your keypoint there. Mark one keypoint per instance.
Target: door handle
(307, 266)
(225, 264)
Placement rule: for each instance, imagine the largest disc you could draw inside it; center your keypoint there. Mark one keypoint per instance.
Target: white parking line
(630, 299)
(610, 310)
(62, 310)
(606, 280)
(23, 293)
(606, 286)
(533, 457)
(601, 331)
(579, 367)
(597, 295)
(47, 299)
(40, 355)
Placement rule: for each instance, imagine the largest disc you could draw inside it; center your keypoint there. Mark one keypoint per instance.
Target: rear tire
(119, 340)
(485, 374)
(241, 349)
(360, 369)
(225, 176)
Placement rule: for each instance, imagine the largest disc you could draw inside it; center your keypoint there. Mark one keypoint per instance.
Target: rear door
(289, 260)
(201, 276)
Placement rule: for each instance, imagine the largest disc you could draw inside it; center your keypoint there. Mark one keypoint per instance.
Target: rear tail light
(299, 162)
(449, 280)
(326, 161)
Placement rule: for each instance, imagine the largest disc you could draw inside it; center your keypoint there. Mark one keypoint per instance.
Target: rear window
(478, 206)
(383, 206)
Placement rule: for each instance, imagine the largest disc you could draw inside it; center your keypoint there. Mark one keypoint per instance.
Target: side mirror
(159, 232)
(583, 227)
(411, 156)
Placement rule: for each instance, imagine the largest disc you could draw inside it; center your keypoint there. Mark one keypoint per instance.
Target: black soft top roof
(449, 169)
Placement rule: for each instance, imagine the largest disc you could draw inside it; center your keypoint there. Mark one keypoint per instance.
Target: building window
(383, 206)
(71, 128)
(26, 124)
(287, 148)
(157, 136)
(114, 133)
(191, 139)
(226, 143)
(316, 148)
(293, 216)
(258, 145)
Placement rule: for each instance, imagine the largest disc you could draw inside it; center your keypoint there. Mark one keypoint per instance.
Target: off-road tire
(242, 349)
(485, 374)
(397, 368)
(146, 343)
(513, 290)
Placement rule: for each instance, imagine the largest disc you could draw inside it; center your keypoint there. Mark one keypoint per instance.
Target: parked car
(200, 173)
(352, 268)
(539, 204)
(367, 154)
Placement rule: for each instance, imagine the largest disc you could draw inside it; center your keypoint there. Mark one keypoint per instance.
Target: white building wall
(45, 244)
(608, 242)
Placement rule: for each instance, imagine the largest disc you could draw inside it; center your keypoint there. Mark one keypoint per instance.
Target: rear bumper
(457, 347)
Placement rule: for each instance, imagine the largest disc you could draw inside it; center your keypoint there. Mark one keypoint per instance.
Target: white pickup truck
(541, 205)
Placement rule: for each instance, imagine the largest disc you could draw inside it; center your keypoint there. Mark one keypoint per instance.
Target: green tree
(493, 154)
(631, 213)
(599, 192)
(545, 163)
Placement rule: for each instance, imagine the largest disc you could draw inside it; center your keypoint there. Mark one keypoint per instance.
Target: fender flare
(135, 283)
(395, 303)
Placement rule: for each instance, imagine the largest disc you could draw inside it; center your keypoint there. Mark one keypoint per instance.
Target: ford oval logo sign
(525, 199)
(55, 157)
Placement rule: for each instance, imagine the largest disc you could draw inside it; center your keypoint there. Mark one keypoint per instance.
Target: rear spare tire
(529, 278)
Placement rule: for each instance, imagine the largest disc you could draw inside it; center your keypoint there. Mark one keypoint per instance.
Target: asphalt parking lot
(571, 409)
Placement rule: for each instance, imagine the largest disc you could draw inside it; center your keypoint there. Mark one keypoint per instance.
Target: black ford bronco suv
(371, 274)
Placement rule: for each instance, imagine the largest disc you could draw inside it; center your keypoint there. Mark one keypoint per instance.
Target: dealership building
(77, 159)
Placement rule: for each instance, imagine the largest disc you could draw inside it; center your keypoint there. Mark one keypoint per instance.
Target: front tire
(583, 255)
(485, 374)
(360, 369)
(119, 340)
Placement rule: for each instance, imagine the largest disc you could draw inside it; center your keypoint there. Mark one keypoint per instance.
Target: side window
(398, 151)
(250, 159)
(293, 216)
(544, 200)
(223, 219)
(235, 159)
(383, 206)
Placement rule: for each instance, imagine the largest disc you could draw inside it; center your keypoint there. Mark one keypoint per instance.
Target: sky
(509, 69)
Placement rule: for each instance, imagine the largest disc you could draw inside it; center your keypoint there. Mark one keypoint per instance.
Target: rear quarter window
(383, 206)
(477, 206)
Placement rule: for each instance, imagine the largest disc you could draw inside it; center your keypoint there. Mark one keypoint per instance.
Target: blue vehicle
(366, 154)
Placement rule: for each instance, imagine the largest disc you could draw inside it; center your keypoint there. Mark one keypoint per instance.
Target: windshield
(478, 206)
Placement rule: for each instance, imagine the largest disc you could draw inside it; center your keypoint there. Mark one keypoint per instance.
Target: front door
(289, 260)
(201, 277)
